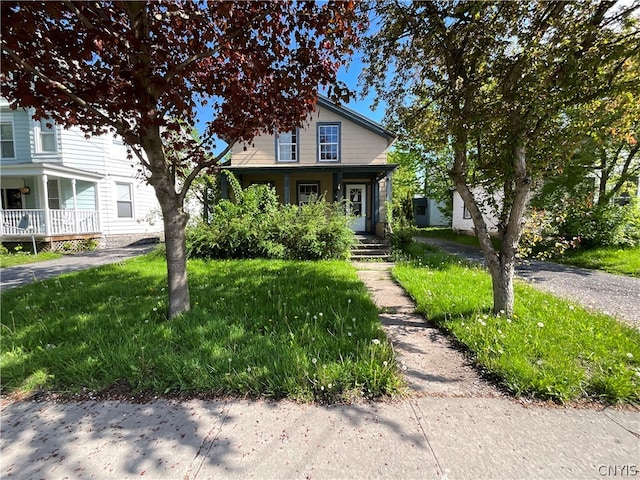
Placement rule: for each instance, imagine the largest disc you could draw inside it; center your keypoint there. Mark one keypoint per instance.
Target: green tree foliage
(488, 80)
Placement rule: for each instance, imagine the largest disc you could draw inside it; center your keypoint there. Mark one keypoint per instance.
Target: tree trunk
(175, 225)
(502, 282)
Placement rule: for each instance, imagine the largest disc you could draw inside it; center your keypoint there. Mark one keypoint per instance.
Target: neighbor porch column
(45, 198)
(76, 225)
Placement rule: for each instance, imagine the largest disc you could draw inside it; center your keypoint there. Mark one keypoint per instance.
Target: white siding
(466, 225)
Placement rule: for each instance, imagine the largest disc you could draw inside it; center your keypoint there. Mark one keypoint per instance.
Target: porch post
(75, 206)
(337, 181)
(287, 189)
(47, 213)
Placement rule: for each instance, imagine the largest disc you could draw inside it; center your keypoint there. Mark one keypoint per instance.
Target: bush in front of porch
(256, 225)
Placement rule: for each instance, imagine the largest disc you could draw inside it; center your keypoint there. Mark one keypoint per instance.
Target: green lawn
(624, 261)
(450, 235)
(13, 259)
(549, 349)
(303, 330)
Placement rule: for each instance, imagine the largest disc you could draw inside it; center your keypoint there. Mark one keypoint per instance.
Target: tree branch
(64, 89)
(201, 166)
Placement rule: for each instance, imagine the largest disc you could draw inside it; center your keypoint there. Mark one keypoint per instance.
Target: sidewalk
(454, 425)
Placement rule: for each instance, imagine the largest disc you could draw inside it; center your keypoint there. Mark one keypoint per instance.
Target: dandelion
(629, 355)
(385, 363)
(324, 366)
(330, 386)
(571, 307)
(321, 314)
(375, 341)
(155, 309)
(315, 317)
(322, 388)
(540, 324)
(314, 360)
(485, 316)
(349, 300)
(539, 362)
(502, 312)
(349, 334)
(508, 320)
(249, 369)
(353, 319)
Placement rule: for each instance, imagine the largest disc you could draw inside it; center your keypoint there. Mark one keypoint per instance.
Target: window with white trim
(47, 136)
(329, 142)
(307, 192)
(287, 146)
(124, 200)
(7, 144)
(466, 214)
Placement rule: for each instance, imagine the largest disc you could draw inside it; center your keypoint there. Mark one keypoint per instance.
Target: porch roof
(36, 169)
(298, 168)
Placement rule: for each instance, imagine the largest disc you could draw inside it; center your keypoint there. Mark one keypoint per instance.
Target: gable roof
(357, 118)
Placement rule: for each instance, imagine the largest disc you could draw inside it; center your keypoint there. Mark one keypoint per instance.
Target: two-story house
(62, 187)
(338, 154)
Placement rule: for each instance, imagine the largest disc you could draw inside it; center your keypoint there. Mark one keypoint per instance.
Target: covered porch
(48, 202)
(367, 188)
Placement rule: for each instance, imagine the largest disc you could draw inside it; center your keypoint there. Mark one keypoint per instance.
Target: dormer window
(287, 146)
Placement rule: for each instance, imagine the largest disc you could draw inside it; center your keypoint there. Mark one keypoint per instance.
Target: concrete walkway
(453, 425)
(616, 295)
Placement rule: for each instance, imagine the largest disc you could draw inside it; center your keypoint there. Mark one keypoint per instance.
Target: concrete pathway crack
(206, 445)
(417, 411)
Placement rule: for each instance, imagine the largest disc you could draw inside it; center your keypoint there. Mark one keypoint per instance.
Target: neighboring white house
(461, 220)
(428, 212)
(62, 187)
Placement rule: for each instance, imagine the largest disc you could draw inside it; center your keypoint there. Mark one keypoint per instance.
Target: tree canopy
(491, 80)
(142, 70)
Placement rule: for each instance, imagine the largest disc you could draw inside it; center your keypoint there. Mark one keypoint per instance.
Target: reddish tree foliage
(142, 70)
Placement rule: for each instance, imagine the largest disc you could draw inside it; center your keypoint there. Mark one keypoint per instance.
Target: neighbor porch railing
(57, 222)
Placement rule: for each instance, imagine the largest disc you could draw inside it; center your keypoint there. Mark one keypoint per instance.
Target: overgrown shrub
(256, 225)
(602, 225)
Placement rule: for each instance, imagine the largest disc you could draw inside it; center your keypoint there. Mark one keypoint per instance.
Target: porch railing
(60, 222)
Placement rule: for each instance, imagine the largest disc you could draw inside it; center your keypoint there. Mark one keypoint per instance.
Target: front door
(357, 196)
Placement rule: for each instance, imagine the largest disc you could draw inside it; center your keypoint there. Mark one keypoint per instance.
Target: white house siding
(358, 146)
(100, 155)
(461, 224)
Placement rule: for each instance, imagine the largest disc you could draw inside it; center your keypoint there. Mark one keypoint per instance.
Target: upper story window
(6, 140)
(124, 200)
(287, 146)
(47, 136)
(329, 142)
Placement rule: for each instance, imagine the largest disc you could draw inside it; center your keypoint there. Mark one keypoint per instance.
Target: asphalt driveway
(616, 295)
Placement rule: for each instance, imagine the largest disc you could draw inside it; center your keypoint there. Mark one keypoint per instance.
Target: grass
(622, 261)
(549, 348)
(21, 258)
(450, 235)
(303, 330)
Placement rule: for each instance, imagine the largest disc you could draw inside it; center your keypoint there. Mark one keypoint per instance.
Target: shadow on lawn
(105, 330)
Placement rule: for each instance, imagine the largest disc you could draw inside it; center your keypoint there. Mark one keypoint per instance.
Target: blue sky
(349, 75)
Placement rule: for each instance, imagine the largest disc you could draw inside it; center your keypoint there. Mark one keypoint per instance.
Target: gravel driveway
(616, 295)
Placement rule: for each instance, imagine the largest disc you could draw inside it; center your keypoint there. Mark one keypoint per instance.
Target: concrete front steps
(371, 248)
